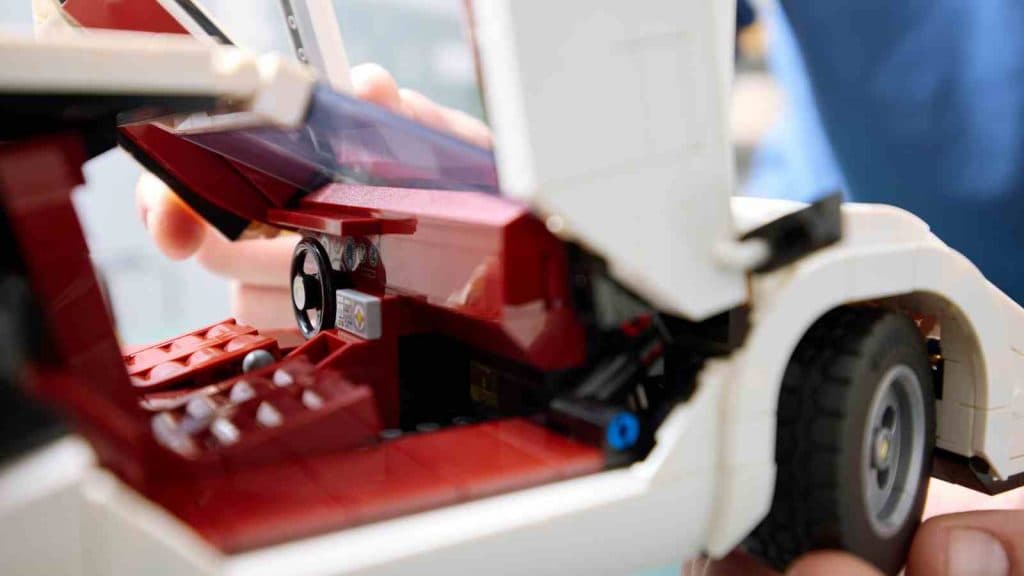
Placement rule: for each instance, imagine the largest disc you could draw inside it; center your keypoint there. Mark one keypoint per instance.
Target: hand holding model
(982, 542)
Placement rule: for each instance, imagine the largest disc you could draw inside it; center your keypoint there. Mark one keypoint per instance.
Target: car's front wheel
(856, 429)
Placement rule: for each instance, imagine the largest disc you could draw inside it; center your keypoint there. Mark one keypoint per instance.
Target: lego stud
(241, 392)
(200, 407)
(282, 379)
(225, 431)
(312, 400)
(268, 416)
(428, 427)
(555, 224)
(257, 359)
(169, 435)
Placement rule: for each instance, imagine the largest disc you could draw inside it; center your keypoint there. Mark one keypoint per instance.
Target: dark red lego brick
(200, 357)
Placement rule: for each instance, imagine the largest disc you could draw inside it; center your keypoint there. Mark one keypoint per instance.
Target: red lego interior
(319, 460)
(326, 461)
(308, 443)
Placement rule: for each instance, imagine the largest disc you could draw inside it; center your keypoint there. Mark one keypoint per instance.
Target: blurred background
(422, 42)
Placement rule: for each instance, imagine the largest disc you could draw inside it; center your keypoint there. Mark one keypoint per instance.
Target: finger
(175, 229)
(259, 262)
(374, 84)
(735, 564)
(831, 563)
(263, 307)
(946, 498)
(983, 543)
(426, 111)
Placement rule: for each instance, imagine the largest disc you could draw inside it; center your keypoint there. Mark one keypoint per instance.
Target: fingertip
(175, 230)
(831, 563)
(373, 83)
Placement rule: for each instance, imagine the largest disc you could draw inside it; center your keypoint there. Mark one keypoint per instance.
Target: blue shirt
(916, 103)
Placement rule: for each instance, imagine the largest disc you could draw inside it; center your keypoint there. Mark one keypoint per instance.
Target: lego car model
(579, 338)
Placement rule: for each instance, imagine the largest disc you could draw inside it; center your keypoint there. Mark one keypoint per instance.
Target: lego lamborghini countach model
(574, 353)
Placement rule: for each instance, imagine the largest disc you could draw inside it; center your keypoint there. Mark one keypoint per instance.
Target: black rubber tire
(824, 405)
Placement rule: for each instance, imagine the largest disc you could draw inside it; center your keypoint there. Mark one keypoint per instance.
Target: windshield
(348, 140)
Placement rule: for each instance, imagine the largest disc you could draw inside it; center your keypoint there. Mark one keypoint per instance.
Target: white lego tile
(958, 382)
(1016, 437)
(992, 438)
(953, 427)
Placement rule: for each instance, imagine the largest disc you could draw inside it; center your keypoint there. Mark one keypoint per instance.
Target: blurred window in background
(423, 43)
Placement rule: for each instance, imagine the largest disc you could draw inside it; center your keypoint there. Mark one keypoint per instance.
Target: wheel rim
(894, 450)
(311, 288)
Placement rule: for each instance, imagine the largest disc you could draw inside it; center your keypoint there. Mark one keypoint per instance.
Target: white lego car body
(704, 487)
(653, 197)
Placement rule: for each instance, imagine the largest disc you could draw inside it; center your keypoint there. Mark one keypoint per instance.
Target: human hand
(258, 268)
(967, 534)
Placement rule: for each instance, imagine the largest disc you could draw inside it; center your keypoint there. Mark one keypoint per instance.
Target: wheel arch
(928, 280)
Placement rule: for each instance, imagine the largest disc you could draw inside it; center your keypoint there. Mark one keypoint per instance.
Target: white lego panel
(1017, 404)
(40, 524)
(128, 63)
(611, 117)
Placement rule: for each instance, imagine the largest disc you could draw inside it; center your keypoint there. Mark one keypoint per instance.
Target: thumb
(175, 229)
(989, 543)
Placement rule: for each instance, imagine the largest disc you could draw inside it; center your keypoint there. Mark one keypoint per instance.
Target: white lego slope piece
(263, 90)
(611, 117)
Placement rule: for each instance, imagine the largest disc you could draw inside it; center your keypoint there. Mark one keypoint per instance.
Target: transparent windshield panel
(348, 140)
